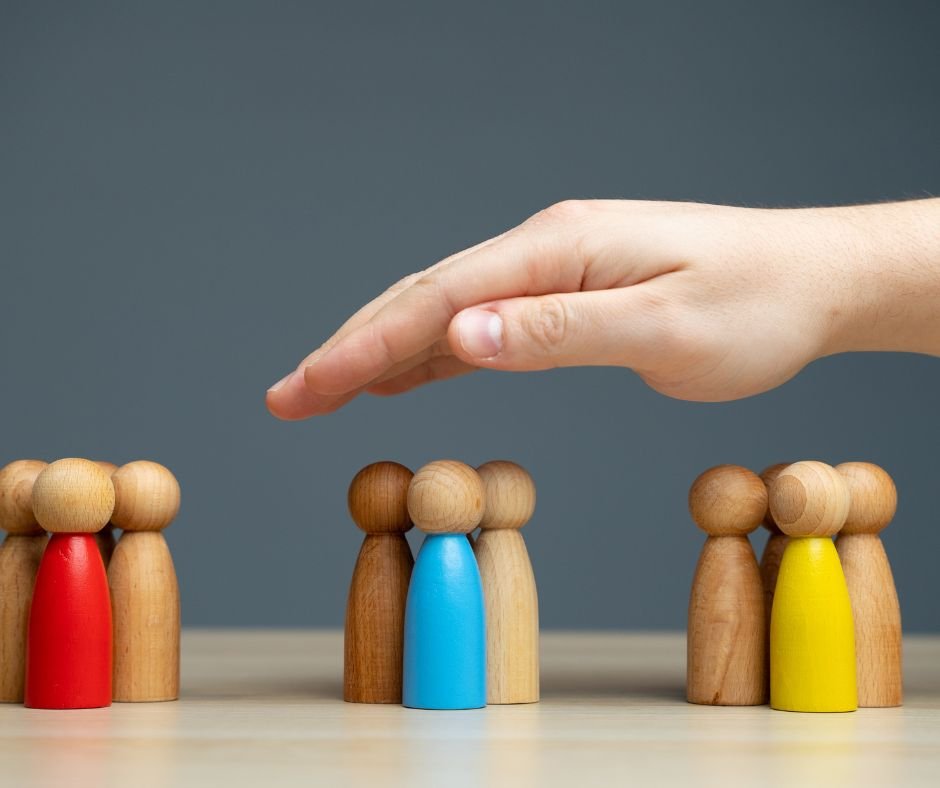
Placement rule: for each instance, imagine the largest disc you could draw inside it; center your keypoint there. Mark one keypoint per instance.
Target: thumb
(602, 327)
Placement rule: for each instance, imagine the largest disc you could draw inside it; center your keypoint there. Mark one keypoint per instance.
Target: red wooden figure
(68, 653)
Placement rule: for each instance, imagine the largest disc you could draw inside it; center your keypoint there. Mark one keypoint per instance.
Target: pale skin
(703, 302)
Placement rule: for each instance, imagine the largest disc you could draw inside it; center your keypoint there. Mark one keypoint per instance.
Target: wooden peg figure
(875, 607)
(509, 590)
(726, 660)
(68, 653)
(144, 590)
(20, 555)
(105, 537)
(776, 544)
(375, 610)
(445, 631)
(812, 641)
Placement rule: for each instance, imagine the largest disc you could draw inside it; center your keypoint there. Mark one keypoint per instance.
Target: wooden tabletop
(263, 708)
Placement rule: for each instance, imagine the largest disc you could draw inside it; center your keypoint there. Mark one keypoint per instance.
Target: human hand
(703, 302)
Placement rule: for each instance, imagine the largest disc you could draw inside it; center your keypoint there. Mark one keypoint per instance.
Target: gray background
(194, 195)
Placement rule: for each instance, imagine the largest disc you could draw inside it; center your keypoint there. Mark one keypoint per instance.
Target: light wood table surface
(263, 708)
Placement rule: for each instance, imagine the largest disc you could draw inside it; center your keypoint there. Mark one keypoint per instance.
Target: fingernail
(281, 382)
(480, 333)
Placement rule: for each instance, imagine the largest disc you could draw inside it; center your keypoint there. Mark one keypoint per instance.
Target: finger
(293, 402)
(365, 313)
(521, 263)
(441, 368)
(623, 327)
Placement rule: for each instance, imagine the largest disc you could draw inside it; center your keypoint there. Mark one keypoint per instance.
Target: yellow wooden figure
(812, 637)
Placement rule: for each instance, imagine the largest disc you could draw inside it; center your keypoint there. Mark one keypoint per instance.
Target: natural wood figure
(812, 643)
(727, 643)
(105, 537)
(375, 609)
(875, 606)
(512, 603)
(776, 543)
(20, 555)
(449, 497)
(144, 590)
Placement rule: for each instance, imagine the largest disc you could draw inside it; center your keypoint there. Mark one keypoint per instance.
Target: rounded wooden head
(108, 467)
(147, 496)
(727, 500)
(768, 476)
(874, 497)
(16, 496)
(73, 496)
(508, 497)
(446, 497)
(378, 498)
(809, 499)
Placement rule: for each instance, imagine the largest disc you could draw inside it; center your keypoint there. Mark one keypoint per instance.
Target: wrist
(885, 295)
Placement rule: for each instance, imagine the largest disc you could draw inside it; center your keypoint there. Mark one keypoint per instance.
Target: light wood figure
(375, 609)
(875, 606)
(509, 590)
(105, 537)
(727, 643)
(812, 641)
(144, 591)
(20, 555)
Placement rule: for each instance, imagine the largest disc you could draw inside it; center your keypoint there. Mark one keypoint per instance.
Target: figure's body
(69, 651)
(445, 630)
(812, 643)
(375, 608)
(20, 556)
(727, 641)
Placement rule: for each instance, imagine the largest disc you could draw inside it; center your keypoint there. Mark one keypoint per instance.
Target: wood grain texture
(512, 617)
(809, 498)
(19, 561)
(446, 496)
(145, 606)
(145, 596)
(73, 496)
(875, 607)
(147, 496)
(375, 620)
(727, 638)
(16, 497)
(727, 625)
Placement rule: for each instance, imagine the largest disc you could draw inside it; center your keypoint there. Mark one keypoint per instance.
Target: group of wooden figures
(457, 628)
(85, 619)
(816, 626)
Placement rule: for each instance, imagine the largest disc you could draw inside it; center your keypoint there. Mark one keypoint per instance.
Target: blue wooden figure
(445, 628)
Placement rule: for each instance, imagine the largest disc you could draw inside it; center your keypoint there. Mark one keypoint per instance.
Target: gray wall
(193, 195)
